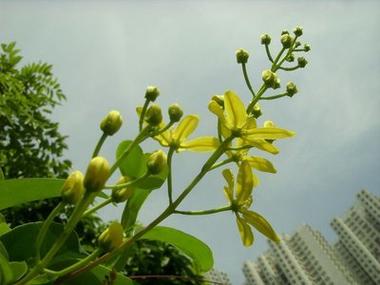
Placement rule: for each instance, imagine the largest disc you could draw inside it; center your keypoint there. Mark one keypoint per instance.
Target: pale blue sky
(105, 53)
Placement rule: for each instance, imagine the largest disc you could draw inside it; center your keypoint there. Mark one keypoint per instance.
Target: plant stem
(170, 179)
(274, 97)
(129, 183)
(76, 265)
(252, 104)
(142, 115)
(45, 227)
(216, 165)
(203, 212)
(97, 207)
(289, 68)
(274, 64)
(99, 145)
(268, 53)
(246, 78)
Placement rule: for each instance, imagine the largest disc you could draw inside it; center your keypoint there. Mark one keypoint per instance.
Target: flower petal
(216, 109)
(245, 231)
(268, 133)
(261, 224)
(250, 124)
(261, 164)
(185, 127)
(200, 144)
(244, 183)
(234, 108)
(229, 190)
(262, 145)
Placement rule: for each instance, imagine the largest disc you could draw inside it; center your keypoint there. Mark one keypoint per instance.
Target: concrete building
(306, 257)
(220, 278)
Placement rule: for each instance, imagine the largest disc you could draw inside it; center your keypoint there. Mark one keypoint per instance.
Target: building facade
(217, 277)
(306, 257)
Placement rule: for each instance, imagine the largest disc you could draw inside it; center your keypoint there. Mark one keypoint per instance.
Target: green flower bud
(286, 40)
(265, 39)
(175, 113)
(73, 190)
(242, 56)
(153, 115)
(152, 93)
(291, 89)
(306, 47)
(256, 112)
(290, 58)
(297, 44)
(301, 62)
(298, 31)
(97, 173)
(121, 195)
(112, 237)
(270, 79)
(276, 84)
(156, 162)
(111, 123)
(284, 32)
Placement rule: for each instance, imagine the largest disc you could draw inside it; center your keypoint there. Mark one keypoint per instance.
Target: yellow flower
(177, 138)
(235, 122)
(240, 198)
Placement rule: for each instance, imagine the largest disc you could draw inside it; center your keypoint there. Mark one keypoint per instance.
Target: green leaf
(3, 251)
(133, 207)
(4, 228)
(19, 268)
(18, 191)
(197, 250)
(134, 164)
(6, 274)
(20, 242)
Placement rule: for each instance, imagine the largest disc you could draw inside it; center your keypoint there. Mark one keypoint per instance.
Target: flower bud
(297, 44)
(276, 84)
(265, 39)
(175, 113)
(152, 93)
(270, 78)
(112, 237)
(286, 40)
(97, 173)
(298, 31)
(284, 32)
(121, 195)
(290, 58)
(242, 56)
(153, 115)
(111, 123)
(301, 62)
(269, 124)
(306, 47)
(218, 99)
(73, 190)
(291, 89)
(156, 162)
(256, 112)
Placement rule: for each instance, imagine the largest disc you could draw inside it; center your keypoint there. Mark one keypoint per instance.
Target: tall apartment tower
(358, 244)
(304, 258)
(218, 277)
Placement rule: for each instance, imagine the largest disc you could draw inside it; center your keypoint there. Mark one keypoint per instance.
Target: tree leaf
(19, 268)
(6, 274)
(4, 228)
(20, 242)
(18, 191)
(197, 250)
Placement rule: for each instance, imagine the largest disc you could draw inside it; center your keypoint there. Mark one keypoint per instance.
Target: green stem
(274, 64)
(274, 97)
(129, 183)
(99, 145)
(289, 68)
(45, 227)
(75, 266)
(240, 147)
(246, 78)
(224, 162)
(162, 130)
(139, 138)
(97, 207)
(170, 182)
(261, 91)
(220, 137)
(142, 115)
(204, 212)
(268, 53)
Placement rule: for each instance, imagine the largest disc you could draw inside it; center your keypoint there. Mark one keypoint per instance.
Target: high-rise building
(220, 278)
(306, 257)
(358, 244)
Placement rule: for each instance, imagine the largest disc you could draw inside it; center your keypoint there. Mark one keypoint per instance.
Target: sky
(106, 53)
